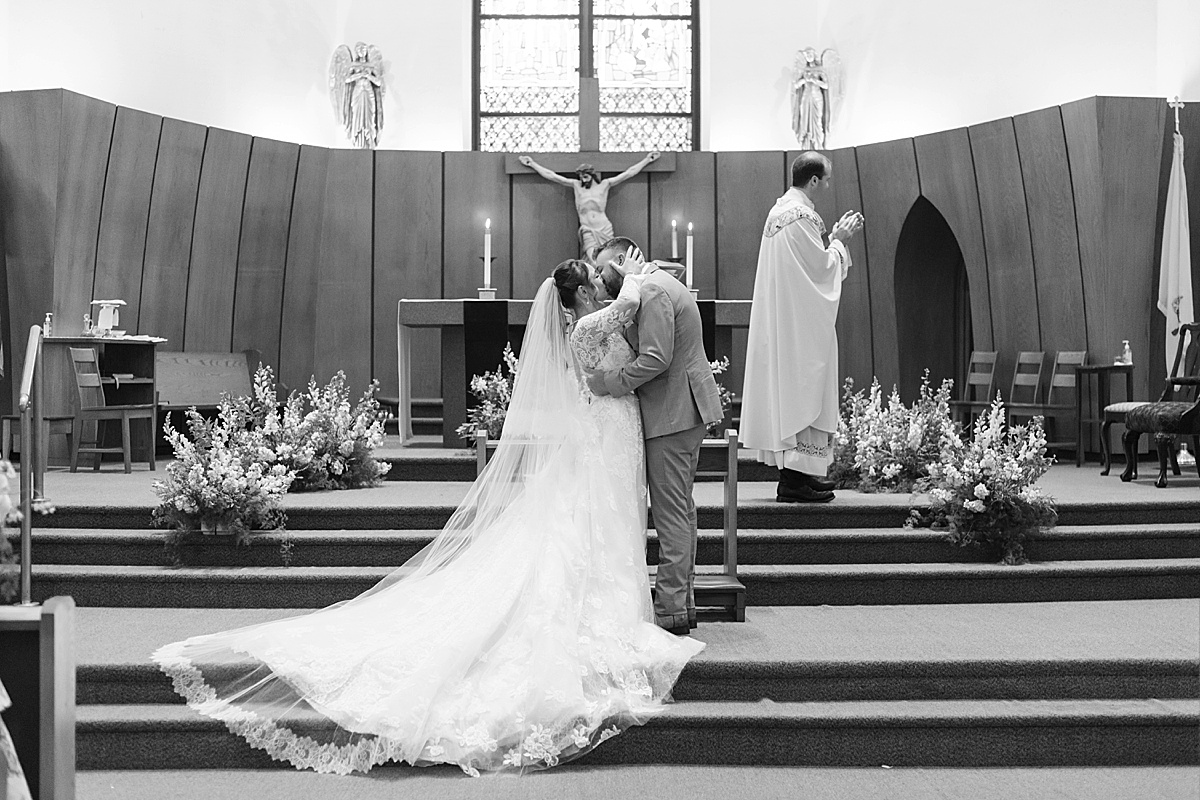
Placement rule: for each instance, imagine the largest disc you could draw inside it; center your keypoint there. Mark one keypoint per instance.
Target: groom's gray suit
(679, 398)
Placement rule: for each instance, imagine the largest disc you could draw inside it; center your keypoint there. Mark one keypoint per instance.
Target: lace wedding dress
(522, 637)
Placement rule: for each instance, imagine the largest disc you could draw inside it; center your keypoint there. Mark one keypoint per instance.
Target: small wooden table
(126, 366)
(1103, 374)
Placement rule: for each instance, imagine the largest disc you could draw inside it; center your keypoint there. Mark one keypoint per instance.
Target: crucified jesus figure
(591, 198)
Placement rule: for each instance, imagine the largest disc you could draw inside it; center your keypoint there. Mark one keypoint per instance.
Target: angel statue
(816, 95)
(356, 91)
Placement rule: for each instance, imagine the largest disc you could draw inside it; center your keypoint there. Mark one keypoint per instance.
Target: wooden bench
(183, 379)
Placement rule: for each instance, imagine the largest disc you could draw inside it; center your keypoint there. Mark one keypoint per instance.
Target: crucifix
(1176, 104)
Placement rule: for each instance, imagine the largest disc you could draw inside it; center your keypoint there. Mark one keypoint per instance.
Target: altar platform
(864, 643)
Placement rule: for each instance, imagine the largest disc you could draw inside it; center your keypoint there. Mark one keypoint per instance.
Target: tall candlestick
(674, 240)
(689, 256)
(487, 253)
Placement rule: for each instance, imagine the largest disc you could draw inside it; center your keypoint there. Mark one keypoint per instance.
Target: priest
(790, 397)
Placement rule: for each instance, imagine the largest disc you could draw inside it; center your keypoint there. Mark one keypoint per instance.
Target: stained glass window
(566, 75)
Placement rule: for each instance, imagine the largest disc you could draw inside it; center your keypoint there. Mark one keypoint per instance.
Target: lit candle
(487, 253)
(689, 256)
(674, 240)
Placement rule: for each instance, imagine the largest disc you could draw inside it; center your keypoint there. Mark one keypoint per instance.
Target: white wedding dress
(522, 637)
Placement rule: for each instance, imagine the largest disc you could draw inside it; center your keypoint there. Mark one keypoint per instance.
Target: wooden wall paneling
(855, 347)
(298, 325)
(946, 171)
(262, 251)
(545, 231)
(1009, 249)
(169, 231)
(408, 262)
(747, 185)
(1082, 137)
(344, 306)
(887, 178)
(476, 188)
(1131, 140)
(686, 195)
(1047, 178)
(208, 324)
(29, 162)
(629, 209)
(87, 128)
(124, 214)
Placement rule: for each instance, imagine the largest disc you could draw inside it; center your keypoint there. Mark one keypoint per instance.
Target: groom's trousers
(671, 462)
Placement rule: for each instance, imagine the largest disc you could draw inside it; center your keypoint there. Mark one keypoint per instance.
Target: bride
(522, 636)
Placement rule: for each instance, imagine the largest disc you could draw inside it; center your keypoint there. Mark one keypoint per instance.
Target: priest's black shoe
(801, 494)
(815, 483)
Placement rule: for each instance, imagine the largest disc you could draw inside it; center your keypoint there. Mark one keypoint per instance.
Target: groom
(679, 398)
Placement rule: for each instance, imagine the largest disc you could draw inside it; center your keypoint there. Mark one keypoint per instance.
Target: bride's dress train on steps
(522, 637)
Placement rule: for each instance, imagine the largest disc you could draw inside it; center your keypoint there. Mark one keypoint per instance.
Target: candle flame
(487, 224)
(673, 223)
(689, 227)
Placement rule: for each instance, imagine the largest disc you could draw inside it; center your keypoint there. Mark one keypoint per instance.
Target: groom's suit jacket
(671, 374)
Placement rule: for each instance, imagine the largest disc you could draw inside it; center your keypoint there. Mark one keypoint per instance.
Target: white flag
(1175, 280)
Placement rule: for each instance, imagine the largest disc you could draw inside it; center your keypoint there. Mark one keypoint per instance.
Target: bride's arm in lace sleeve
(620, 312)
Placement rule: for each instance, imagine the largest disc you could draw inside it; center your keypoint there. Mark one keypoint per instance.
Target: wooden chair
(92, 408)
(1026, 383)
(1172, 416)
(979, 387)
(1060, 399)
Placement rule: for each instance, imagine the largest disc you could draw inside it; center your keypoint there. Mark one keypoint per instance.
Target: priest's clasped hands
(850, 224)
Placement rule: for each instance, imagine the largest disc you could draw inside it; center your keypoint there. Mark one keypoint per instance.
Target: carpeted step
(829, 546)
(831, 681)
(766, 585)
(663, 782)
(429, 464)
(1031, 651)
(427, 505)
(895, 733)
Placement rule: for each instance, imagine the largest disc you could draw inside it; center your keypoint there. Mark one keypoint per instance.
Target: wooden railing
(33, 466)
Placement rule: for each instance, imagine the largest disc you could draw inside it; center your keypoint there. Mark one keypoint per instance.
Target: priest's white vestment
(790, 397)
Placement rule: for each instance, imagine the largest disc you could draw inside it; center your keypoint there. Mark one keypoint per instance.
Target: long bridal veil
(544, 426)
(520, 637)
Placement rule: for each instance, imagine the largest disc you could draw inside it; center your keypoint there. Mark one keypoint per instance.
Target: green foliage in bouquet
(492, 391)
(887, 446)
(318, 436)
(984, 495)
(224, 479)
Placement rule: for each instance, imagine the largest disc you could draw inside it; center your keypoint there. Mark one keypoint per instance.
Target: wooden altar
(474, 333)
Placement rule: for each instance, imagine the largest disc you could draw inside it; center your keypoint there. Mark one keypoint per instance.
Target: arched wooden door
(933, 308)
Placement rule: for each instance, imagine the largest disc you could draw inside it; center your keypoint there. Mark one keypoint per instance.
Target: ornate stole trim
(777, 223)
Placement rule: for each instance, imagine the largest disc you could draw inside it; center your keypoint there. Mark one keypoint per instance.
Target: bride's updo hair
(569, 276)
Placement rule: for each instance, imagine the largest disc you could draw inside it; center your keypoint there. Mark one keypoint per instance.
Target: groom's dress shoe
(679, 630)
(801, 494)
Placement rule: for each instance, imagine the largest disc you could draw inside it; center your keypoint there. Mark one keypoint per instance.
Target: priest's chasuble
(790, 396)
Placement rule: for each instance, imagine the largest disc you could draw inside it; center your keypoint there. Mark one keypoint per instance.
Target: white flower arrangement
(889, 447)
(220, 481)
(984, 495)
(317, 435)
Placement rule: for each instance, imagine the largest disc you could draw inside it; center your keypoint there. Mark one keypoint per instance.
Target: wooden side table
(1103, 374)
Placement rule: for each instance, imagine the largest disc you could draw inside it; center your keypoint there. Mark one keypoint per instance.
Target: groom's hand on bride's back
(595, 382)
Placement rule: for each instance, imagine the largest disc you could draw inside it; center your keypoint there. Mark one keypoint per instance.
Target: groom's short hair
(619, 244)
